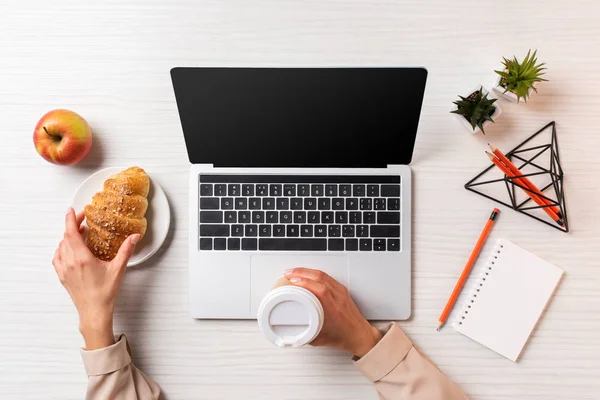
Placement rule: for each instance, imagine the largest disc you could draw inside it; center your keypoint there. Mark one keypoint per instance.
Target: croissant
(117, 212)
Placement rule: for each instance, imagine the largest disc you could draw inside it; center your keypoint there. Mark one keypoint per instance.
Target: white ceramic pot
(467, 124)
(499, 90)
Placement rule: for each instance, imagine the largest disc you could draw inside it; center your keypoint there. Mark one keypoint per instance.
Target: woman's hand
(344, 327)
(92, 284)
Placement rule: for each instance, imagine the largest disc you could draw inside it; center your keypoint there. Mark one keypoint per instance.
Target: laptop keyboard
(299, 213)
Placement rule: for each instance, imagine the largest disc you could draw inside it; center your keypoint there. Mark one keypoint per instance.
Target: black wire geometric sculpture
(554, 172)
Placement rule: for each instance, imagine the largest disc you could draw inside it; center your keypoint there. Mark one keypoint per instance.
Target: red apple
(62, 137)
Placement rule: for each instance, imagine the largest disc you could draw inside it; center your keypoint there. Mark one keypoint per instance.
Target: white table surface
(110, 62)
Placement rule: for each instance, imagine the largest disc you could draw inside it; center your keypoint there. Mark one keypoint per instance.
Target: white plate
(158, 214)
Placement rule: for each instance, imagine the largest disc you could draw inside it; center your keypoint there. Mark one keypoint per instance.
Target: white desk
(110, 62)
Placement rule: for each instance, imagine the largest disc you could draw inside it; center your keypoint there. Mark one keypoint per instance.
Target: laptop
(299, 167)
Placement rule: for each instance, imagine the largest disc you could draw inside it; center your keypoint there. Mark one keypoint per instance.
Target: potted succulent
(476, 111)
(515, 81)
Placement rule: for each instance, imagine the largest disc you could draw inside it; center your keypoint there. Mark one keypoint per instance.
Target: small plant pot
(499, 90)
(467, 124)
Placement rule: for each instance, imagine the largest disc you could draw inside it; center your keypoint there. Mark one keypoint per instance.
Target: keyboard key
(393, 244)
(300, 217)
(335, 231)
(233, 190)
(220, 244)
(262, 190)
(341, 217)
(226, 203)
(289, 190)
(390, 190)
(248, 190)
(327, 217)
(337, 204)
(264, 230)
(324, 203)
(233, 244)
(336, 245)
(345, 190)
(220, 190)
(214, 230)
(321, 231)
(283, 203)
(268, 203)
(314, 217)
(379, 204)
(390, 231)
(358, 190)
(249, 244)
(384, 217)
(304, 190)
(351, 244)
(310, 203)
(237, 230)
(206, 189)
(296, 203)
(258, 217)
(369, 217)
(306, 231)
(275, 190)
(244, 217)
(241, 203)
(362, 231)
(316, 190)
(293, 244)
(393, 204)
(230, 217)
(366, 245)
(272, 217)
(348, 231)
(351, 204)
(293, 231)
(279, 230)
(331, 190)
(254, 203)
(205, 243)
(285, 217)
(355, 217)
(373, 190)
(207, 203)
(366, 204)
(379, 244)
(211, 217)
(251, 230)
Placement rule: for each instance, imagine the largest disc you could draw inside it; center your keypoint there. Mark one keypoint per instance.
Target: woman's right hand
(92, 284)
(344, 327)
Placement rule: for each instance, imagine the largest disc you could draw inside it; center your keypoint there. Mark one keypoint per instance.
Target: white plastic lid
(290, 316)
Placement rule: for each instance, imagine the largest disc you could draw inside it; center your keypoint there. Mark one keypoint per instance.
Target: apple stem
(46, 130)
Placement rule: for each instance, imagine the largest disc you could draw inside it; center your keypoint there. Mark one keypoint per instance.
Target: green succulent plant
(476, 108)
(518, 78)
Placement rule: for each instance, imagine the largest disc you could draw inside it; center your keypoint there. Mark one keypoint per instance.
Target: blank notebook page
(509, 297)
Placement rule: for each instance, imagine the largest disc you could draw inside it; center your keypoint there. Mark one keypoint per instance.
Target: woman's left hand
(92, 284)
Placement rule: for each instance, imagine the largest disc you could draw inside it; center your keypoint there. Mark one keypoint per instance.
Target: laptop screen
(299, 117)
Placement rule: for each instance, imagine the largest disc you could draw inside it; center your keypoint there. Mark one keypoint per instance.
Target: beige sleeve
(400, 372)
(112, 375)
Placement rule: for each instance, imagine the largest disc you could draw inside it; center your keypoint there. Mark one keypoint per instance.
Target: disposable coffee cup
(290, 316)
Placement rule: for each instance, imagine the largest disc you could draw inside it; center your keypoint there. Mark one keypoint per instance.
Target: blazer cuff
(107, 360)
(386, 355)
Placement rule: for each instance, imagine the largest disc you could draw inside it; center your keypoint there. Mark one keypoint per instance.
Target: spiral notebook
(508, 299)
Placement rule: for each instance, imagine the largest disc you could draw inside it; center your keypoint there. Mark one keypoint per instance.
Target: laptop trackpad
(266, 269)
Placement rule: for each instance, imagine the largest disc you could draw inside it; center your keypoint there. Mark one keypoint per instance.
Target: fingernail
(68, 210)
(295, 280)
(288, 272)
(135, 238)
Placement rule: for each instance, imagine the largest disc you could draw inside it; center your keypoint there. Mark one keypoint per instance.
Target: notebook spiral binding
(483, 276)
